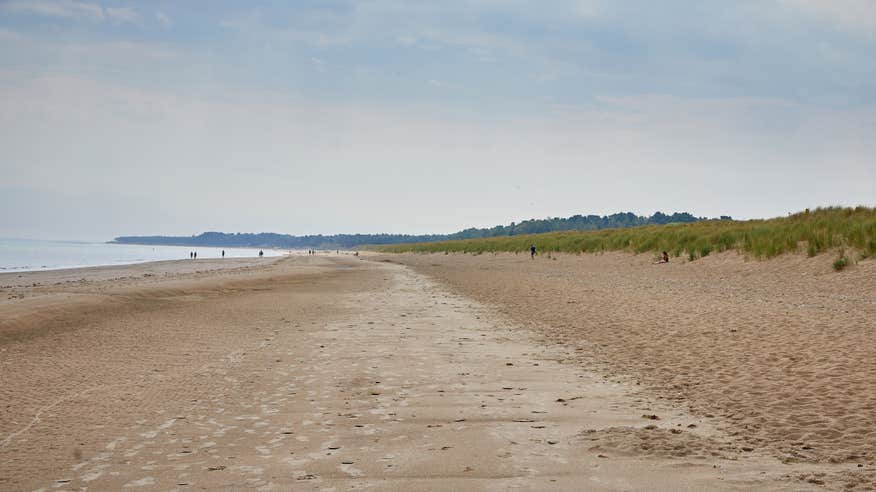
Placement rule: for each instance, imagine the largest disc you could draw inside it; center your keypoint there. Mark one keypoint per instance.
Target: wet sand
(334, 372)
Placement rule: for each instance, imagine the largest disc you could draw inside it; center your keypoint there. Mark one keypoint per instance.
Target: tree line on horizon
(346, 241)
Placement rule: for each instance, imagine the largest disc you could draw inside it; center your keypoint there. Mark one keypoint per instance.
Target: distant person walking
(196, 255)
(261, 253)
(191, 255)
(223, 253)
(532, 252)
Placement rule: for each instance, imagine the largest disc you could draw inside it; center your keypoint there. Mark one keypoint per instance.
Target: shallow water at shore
(17, 255)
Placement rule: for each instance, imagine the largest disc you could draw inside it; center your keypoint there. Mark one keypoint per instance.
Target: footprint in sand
(348, 468)
(143, 482)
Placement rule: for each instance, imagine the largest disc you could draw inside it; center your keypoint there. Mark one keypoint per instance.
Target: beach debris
(650, 416)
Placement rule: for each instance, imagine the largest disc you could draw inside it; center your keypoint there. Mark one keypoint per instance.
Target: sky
(323, 116)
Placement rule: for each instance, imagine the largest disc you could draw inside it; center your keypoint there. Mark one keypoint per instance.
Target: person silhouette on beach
(532, 252)
(223, 253)
(196, 255)
(191, 255)
(261, 253)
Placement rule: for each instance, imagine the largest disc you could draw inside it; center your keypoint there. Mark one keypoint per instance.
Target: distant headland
(347, 241)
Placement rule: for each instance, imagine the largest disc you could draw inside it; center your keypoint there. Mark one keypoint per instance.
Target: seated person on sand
(663, 258)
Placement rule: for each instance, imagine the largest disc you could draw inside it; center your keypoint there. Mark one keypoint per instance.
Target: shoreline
(102, 272)
(120, 262)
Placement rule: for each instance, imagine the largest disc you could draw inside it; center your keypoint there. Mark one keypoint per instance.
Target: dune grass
(813, 232)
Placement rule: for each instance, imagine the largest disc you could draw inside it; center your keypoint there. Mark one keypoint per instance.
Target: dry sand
(777, 354)
(339, 373)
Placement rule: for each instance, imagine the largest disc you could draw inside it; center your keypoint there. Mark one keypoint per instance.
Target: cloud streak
(72, 9)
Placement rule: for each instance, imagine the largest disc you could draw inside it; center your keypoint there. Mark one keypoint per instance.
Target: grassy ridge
(812, 231)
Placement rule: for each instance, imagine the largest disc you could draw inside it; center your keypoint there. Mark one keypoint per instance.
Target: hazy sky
(168, 117)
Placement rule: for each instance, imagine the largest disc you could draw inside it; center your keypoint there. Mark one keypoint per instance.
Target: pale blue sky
(398, 116)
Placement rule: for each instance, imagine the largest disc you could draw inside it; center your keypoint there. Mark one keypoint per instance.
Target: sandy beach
(439, 372)
(776, 354)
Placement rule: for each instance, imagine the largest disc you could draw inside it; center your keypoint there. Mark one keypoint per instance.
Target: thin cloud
(57, 8)
(72, 9)
(858, 16)
(121, 14)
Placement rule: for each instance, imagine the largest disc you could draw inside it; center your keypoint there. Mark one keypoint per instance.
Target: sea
(22, 255)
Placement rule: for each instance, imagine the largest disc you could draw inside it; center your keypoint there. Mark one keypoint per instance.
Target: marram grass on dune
(824, 229)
